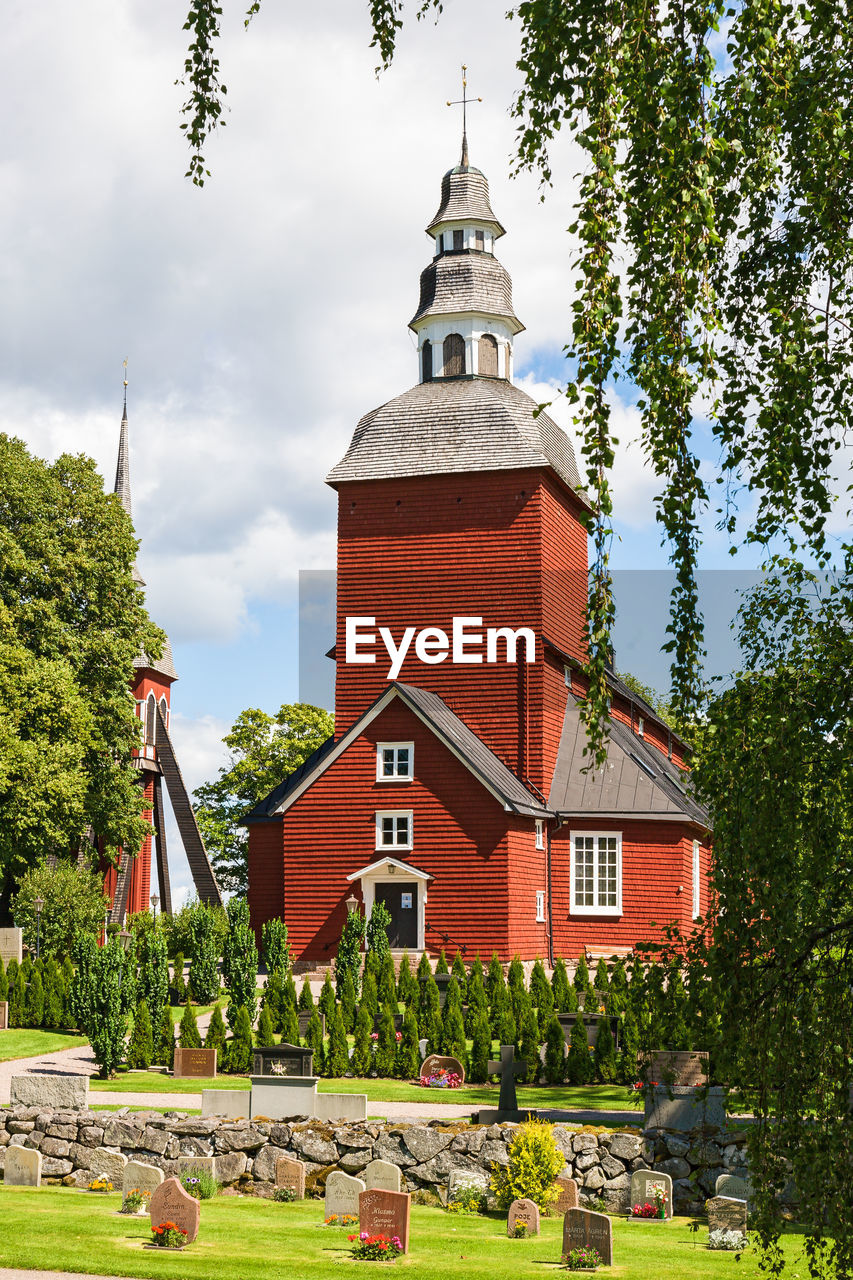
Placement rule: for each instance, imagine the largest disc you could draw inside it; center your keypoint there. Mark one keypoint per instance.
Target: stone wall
(76, 1145)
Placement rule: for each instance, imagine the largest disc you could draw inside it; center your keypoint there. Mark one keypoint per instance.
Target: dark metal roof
(456, 425)
(266, 808)
(637, 780)
(465, 198)
(466, 281)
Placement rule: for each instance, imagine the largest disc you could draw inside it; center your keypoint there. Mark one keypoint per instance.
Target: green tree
(73, 898)
(326, 999)
(477, 1002)
(140, 1051)
(263, 749)
(534, 1162)
(386, 1045)
(72, 620)
(424, 968)
(601, 983)
(441, 964)
(264, 1036)
(369, 996)
(240, 1046)
(306, 998)
(604, 1056)
(387, 983)
(618, 988)
(54, 995)
(188, 1036)
(240, 962)
(429, 1004)
(407, 983)
(204, 971)
(529, 1047)
(314, 1041)
(481, 1048)
(453, 1035)
(579, 1065)
(4, 981)
(274, 946)
(362, 1053)
(337, 1062)
(290, 1022)
(581, 981)
(434, 1031)
(184, 927)
(515, 975)
(460, 974)
(348, 959)
(215, 1038)
(408, 1060)
(18, 1000)
(560, 986)
(555, 1053)
(34, 1005)
(495, 976)
(164, 1050)
(179, 986)
(102, 999)
(348, 1003)
(376, 935)
(153, 978)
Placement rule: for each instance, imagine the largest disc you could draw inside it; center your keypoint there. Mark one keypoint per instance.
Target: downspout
(548, 884)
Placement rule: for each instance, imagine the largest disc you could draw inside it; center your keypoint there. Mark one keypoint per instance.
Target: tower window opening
(454, 355)
(506, 361)
(150, 719)
(426, 361)
(458, 241)
(441, 244)
(487, 361)
(479, 239)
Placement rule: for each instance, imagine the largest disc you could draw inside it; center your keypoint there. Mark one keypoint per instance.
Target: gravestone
(342, 1193)
(643, 1183)
(435, 1062)
(196, 1164)
(733, 1187)
(385, 1213)
(583, 1229)
(52, 1091)
(509, 1071)
(458, 1179)
(568, 1197)
(381, 1175)
(11, 945)
(194, 1062)
(290, 1173)
(303, 1017)
(290, 1059)
(524, 1213)
(4, 1015)
(681, 1067)
(22, 1167)
(137, 1176)
(725, 1214)
(170, 1203)
(111, 1164)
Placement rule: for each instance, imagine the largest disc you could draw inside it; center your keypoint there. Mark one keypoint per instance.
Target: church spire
(463, 103)
(122, 484)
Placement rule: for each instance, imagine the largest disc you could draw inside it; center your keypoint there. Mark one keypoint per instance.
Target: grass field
(253, 1239)
(25, 1043)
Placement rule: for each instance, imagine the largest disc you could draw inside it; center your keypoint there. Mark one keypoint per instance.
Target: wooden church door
(402, 903)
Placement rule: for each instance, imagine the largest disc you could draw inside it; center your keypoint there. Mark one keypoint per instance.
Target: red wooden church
(453, 788)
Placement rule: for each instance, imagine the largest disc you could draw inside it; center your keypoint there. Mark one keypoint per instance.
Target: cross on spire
(463, 102)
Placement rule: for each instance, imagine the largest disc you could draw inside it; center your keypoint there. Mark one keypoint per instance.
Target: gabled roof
(456, 425)
(636, 781)
(461, 741)
(379, 864)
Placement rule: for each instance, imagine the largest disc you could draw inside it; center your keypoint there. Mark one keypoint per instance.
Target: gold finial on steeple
(463, 102)
(124, 366)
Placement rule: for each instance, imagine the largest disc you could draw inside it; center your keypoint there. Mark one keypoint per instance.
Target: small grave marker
(22, 1167)
(435, 1063)
(303, 1017)
(342, 1193)
(733, 1187)
(583, 1229)
(11, 945)
(725, 1214)
(678, 1067)
(568, 1197)
(111, 1164)
(381, 1175)
(385, 1213)
(290, 1173)
(4, 1015)
(170, 1203)
(194, 1062)
(137, 1176)
(643, 1184)
(523, 1213)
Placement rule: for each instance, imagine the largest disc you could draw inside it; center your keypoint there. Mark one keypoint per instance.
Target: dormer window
(454, 355)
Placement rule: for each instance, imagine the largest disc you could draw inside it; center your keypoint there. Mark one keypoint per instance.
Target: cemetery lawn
(250, 1239)
(25, 1043)
(159, 1082)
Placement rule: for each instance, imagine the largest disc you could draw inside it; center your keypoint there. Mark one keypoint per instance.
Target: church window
(487, 356)
(426, 358)
(440, 244)
(395, 761)
(150, 719)
(458, 241)
(479, 242)
(540, 834)
(454, 355)
(540, 906)
(697, 911)
(506, 361)
(596, 873)
(394, 829)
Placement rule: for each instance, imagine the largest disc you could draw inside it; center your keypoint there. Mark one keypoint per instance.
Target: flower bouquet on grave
(168, 1235)
(584, 1260)
(101, 1183)
(441, 1079)
(135, 1202)
(346, 1220)
(519, 1231)
(284, 1195)
(277, 1069)
(378, 1248)
(655, 1209)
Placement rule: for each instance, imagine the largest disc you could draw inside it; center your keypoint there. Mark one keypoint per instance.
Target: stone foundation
(246, 1151)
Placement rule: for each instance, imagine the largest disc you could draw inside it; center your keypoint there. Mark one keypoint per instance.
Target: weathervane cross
(463, 103)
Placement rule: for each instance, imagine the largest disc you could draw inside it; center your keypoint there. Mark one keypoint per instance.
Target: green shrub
(314, 1041)
(545, 1008)
(534, 1163)
(429, 1003)
(481, 1049)
(348, 1002)
(386, 1045)
(326, 999)
(54, 995)
(275, 947)
(4, 981)
(348, 959)
(215, 1038)
(164, 1050)
(529, 1048)
(434, 1031)
(442, 966)
(74, 902)
(240, 962)
(376, 934)
(200, 1183)
(453, 1035)
(581, 981)
(540, 987)
(34, 1004)
(154, 975)
(424, 968)
(240, 1047)
(452, 997)
(407, 983)
(515, 975)
(179, 987)
(579, 1065)
(361, 1063)
(306, 999)
(182, 929)
(459, 973)
(618, 988)
(204, 968)
(264, 1036)
(604, 1055)
(407, 1061)
(387, 984)
(289, 1022)
(495, 977)
(468, 1198)
(337, 1059)
(140, 1052)
(17, 999)
(560, 985)
(555, 1052)
(602, 980)
(189, 1037)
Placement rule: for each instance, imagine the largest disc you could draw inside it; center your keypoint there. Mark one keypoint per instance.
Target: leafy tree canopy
(71, 623)
(73, 902)
(264, 750)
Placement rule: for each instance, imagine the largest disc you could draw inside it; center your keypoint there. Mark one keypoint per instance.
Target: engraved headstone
(381, 1175)
(385, 1213)
(4, 1015)
(170, 1203)
(725, 1214)
(194, 1062)
(289, 1060)
(583, 1229)
(435, 1063)
(196, 1164)
(342, 1193)
(22, 1167)
(643, 1184)
(11, 945)
(110, 1164)
(524, 1213)
(303, 1017)
(733, 1187)
(291, 1174)
(677, 1066)
(568, 1195)
(137, 1176)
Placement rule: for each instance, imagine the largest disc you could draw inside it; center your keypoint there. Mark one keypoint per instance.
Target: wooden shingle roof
(465, 198)
(456, 425)
(463, 282)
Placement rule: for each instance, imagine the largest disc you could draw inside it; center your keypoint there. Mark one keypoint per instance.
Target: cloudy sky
(264, 314)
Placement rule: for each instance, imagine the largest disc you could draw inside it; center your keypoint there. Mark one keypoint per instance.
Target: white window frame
(396, 814)
(596, 909)
(697, 881)
(641, 727)
(540, 906)
(540, 833)
(567, 676)
(396, 747)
